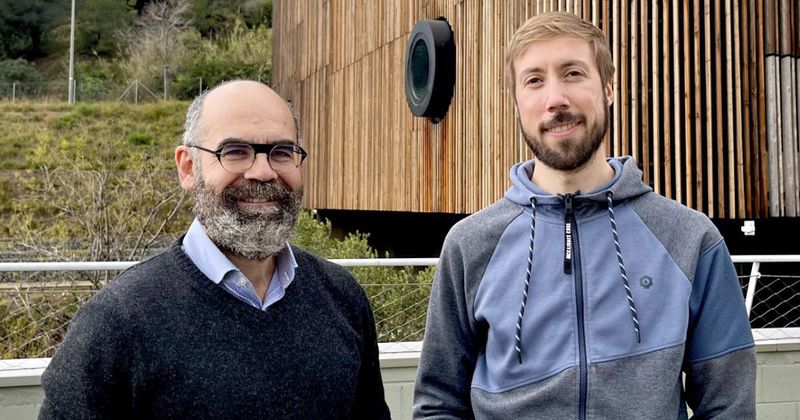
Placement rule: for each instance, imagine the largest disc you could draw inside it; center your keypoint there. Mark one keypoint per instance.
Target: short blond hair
(548, 26)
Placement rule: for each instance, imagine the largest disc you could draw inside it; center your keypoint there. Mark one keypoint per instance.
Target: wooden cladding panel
(689, 100)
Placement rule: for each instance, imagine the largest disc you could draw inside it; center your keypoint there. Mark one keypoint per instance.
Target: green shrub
(66, 121)
(139, 139)
(21, 71)
(241, 53)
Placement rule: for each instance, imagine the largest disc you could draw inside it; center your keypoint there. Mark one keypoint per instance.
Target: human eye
(236, 151)
(574, 73)
(533, 81)
(282, 153)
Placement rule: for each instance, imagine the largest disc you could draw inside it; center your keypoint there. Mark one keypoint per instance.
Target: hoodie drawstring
(518, 344)
(631, 303)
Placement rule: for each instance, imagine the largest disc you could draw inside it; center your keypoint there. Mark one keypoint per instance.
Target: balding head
(236, 100)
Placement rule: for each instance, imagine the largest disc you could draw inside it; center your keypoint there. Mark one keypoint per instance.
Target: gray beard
(252, 234)
(571, 154)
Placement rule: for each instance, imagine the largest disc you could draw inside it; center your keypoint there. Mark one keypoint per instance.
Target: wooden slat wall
(691, 101)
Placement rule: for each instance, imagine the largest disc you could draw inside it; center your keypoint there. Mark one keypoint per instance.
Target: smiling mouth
(258, 203)
(562, 128)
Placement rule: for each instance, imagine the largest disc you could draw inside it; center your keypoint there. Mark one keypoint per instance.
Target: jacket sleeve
(450, 346)
(370, 400)
(720, 362)
(89, 375)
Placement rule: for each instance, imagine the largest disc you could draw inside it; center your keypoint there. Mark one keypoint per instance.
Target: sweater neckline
(198, 281)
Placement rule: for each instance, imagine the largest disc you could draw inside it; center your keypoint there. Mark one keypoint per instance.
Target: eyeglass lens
(283, 158)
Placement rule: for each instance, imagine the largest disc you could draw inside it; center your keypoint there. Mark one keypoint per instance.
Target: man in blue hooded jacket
(582, 293)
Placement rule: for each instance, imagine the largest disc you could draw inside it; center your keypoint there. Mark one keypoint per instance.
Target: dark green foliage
(216, 16)
(241, 53)
(398, 295)
(100, 24)
(24, 23)
(22, 72)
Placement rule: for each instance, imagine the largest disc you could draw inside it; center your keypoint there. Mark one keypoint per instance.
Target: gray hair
(191, 128)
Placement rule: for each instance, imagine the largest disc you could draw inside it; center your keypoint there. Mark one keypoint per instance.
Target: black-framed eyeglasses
(237, 158)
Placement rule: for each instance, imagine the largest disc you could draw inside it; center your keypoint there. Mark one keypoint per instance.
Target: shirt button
(242, 281)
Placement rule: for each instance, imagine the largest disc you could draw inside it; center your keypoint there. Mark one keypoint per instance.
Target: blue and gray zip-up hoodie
(586, 306)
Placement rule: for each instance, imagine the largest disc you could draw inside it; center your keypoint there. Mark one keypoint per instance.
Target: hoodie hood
(627, 183)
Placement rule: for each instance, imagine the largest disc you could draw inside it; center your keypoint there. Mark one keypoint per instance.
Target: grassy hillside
(90, 181)
(33, 135)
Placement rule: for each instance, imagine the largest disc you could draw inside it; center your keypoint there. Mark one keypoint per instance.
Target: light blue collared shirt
(217, 267)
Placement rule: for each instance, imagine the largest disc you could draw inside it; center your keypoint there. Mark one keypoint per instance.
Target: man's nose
(261, 169)
(557, 98)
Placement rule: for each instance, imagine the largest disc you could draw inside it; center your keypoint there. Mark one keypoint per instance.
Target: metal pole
(71, 93)
(14, 92)
(200, 90)
(136, 92)
(165, 83)
(751, 286)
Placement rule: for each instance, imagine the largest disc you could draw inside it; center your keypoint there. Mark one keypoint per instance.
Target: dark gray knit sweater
(163, 341)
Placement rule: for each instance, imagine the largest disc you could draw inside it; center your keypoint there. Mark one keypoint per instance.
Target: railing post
(751, 286)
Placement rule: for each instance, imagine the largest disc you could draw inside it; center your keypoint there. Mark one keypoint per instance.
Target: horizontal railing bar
(121, 265)
(765, 258)
(346, 262)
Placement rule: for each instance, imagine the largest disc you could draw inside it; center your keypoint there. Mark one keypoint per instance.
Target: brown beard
(571, 153)
(253, 234)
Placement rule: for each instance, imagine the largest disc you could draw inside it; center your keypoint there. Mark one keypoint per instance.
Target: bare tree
(158, 39)
(101, 214)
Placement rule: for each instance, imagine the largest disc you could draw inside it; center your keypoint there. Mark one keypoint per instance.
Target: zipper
(569, 219)
(572, 258)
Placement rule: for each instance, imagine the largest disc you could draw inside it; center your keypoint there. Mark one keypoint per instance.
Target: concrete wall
(777, 386)
(778, 380)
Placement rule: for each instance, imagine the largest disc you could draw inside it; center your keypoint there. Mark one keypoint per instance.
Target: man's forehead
(246, 104)
(570, 51)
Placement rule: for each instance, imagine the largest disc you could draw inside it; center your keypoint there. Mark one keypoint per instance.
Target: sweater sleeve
(720, 354)
(450, 346)
(89, 375)
(370, 401)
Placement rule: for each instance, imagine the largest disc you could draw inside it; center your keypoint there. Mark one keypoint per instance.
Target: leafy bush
(19, 70)
(241, 53)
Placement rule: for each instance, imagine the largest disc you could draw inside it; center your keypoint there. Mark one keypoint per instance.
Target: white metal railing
(121, 265)
(755, 268)
(755, 274)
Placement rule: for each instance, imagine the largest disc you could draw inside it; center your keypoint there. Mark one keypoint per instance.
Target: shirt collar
(215, 265)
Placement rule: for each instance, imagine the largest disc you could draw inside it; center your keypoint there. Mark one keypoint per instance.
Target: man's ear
(185, 163)
(610, 92)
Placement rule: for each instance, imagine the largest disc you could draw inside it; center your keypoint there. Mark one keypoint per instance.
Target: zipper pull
(569, 219)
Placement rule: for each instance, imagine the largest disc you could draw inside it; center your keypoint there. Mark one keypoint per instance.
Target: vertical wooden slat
(737, 67)
(787, 94)
(656, 72)
(624, 54)
(697, 186)
(666, 55)
(719, 110)
(676, 48)
(709, 135)
(635, 80)
(644, 128)
(617, 108)
(731, 136)
(687, 145)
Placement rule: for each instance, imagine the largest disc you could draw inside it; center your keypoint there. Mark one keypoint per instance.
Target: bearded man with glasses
(231, 321)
